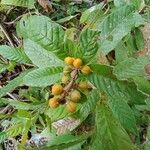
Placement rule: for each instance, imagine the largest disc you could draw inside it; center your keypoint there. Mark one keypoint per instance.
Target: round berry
(75, 96)
(67, 69)
(65, 79)
(71, 106)
(53, 103)
(77, 63)
(83, 85)
(69, 60)
(86, 70)
(57, 89)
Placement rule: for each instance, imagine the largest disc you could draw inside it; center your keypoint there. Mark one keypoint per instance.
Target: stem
(6, 34)
(68, 87)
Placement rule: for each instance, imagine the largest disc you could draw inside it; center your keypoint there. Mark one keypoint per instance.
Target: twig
(6, 34)
(68, 87)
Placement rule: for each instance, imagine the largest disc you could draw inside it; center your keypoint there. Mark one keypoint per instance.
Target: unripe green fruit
(75, 96)
(71, 106)
(67, 69)
(83, 85)
(65, 79)
(57, 89)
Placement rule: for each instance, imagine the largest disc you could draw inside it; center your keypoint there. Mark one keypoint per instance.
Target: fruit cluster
(67, 92)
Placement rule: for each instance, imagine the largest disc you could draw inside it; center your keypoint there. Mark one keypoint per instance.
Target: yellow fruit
(86, 70)
(57, 89)
(75, 96)
(83, 85)
(77, 63)
(71, 106)
(67, 69)
(69, 60)
(53, 103)
(65, 79)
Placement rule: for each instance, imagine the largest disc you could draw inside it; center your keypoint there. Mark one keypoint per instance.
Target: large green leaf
(117, 25)
(106, 82)
(43, 31)
(109, 134)
(43, 77)
(23, 3)
(88, 44)
(131, 67)
(39, 56)
(15, 54)
(123, 112)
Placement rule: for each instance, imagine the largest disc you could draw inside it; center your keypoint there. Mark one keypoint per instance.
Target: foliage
(114, 104)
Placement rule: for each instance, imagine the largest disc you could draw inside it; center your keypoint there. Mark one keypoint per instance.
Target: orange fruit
(53, 103)
(57, 89)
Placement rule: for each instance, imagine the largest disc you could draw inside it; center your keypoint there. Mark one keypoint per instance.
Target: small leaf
(43, 77)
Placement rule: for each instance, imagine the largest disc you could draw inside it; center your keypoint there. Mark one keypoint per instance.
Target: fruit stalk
(68, 87)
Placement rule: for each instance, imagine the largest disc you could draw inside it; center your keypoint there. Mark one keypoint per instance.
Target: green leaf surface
(89, 105)
(123, 112)
(142, 84)
(15, 54)
(131, 67)
(107, 83)
(88, 44)
(43, 77)
(92, 14)
(23, 3)
(109, 134)
(44, 32)
(117, 25)
(39, 56)
(58, 113)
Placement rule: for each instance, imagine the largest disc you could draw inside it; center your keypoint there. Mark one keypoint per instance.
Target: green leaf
(44, 32)
(43, 77)
(123, 112)
(109, 133)
(18, 81)
(10, 132)
(107, 83)
(142, 84)
(139, 39)
(23, 3)
(92, 14)
(39, 56)
(15, 54)
(131, 67)
(58, 113)
(117, 25)
(89, 105)
(121, 52)
(119, 3)
(88, 44)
